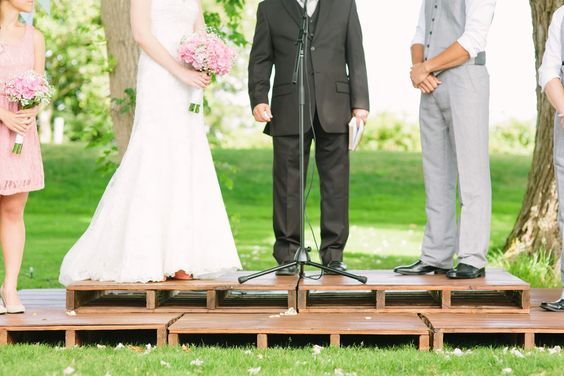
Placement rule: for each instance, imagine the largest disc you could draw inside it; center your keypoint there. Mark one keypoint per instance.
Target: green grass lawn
(387, 207)
(387, 218)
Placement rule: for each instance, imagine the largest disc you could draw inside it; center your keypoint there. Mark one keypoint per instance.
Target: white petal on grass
(555, 350)
(260, 356)
(165, 364)
(517, 353)
(100, 346)
(254, 371)
(317, 349)
(458, 352)
(68, 371)
(120, 346)
(506, 371)
(71, 313)
(197, 362)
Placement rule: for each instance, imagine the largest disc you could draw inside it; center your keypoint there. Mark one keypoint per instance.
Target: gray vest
(445, 22)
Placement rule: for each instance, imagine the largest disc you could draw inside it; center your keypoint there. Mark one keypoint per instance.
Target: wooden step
(37, 320)
(266, 294)
(332, 325)
(386, 291)
(527, 325)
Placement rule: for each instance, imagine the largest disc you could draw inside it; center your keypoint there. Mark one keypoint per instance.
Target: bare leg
(12, 239)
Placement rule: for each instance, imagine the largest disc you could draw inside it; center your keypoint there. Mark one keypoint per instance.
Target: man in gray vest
(337, 88)
(448, 55)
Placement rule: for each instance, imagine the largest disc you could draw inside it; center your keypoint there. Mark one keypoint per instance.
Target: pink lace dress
(23, 172)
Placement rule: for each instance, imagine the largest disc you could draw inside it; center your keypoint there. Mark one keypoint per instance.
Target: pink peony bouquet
(28, 90)
(206, 52)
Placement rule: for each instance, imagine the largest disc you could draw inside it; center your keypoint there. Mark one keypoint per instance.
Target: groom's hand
(262, 113)
(360, 115)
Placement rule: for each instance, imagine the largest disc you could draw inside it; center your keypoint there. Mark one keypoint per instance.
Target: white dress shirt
(311, 6)
(479, 16)
(552, 59)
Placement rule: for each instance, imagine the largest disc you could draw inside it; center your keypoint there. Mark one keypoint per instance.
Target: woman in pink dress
(21, 49)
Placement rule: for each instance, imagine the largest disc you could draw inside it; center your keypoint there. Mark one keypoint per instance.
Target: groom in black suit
(337, 88)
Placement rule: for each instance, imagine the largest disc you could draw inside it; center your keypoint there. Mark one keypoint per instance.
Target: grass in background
(386, 210)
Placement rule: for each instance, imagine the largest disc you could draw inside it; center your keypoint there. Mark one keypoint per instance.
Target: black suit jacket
(337, 56)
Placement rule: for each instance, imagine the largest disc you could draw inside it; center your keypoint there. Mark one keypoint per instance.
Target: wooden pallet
(527, 326)
(37, 320)
(332, 325)
(386, 291)
(266, 294)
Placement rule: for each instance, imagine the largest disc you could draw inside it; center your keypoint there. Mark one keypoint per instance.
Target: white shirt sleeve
(420, 31)
(552, 59)
(479, 17)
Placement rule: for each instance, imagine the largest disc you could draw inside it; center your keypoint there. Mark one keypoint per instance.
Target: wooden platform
(225, 294)
(386, 291)
(332, 325)
(527, 326)
(46, 313)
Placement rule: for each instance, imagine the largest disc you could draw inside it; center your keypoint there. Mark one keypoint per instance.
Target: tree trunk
(536, 227)
(123, 55)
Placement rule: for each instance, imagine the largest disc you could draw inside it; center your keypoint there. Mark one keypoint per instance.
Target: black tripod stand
(302, 259)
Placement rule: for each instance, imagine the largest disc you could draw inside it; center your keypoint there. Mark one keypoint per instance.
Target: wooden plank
(262, 341)
(323, 324)
(446, 299)
(3, 337)
(161, 336)
(526, 299)
(438, 340)
(302, 300)
(226, 282)
(293, 299)
(529, 340)
(70, 300)
(211, 300)
(151, 299)
(496, 279)
(173, 339)
(381, 300)
(72, 338)
(335, 340)
(424, 342)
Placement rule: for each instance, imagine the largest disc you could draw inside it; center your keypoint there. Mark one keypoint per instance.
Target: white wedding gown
(162, 211)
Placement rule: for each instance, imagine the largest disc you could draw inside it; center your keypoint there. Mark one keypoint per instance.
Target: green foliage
(77, 67)
(31, 360)
(537, 268)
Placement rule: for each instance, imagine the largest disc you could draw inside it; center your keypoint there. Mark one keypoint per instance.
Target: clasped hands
(423, 79)
(21, 121)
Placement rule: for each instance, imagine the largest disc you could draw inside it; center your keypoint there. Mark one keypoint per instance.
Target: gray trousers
(559, 172)
(454, 138)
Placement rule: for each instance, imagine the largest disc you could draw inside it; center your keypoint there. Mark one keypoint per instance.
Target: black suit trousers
(332, 160)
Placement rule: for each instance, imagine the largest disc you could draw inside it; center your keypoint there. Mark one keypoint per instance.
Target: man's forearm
(555, 93)
(417, 53)
(452, 57)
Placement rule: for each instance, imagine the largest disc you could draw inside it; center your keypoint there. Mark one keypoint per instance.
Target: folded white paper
(355, 134)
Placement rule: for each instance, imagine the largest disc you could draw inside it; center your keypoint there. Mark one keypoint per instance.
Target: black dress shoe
(337, 265)
(465, 271)
(290, 270)
(419, 268)
(557, 306)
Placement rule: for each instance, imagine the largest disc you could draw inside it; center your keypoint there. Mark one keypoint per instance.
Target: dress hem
(26, 190)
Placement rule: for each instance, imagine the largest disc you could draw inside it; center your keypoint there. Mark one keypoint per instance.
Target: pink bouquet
(28, 90)
(206, 52)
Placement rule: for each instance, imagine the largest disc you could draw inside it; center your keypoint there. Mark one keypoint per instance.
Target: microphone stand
(301, 258)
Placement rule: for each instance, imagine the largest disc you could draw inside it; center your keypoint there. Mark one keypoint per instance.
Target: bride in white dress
(162, 214)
